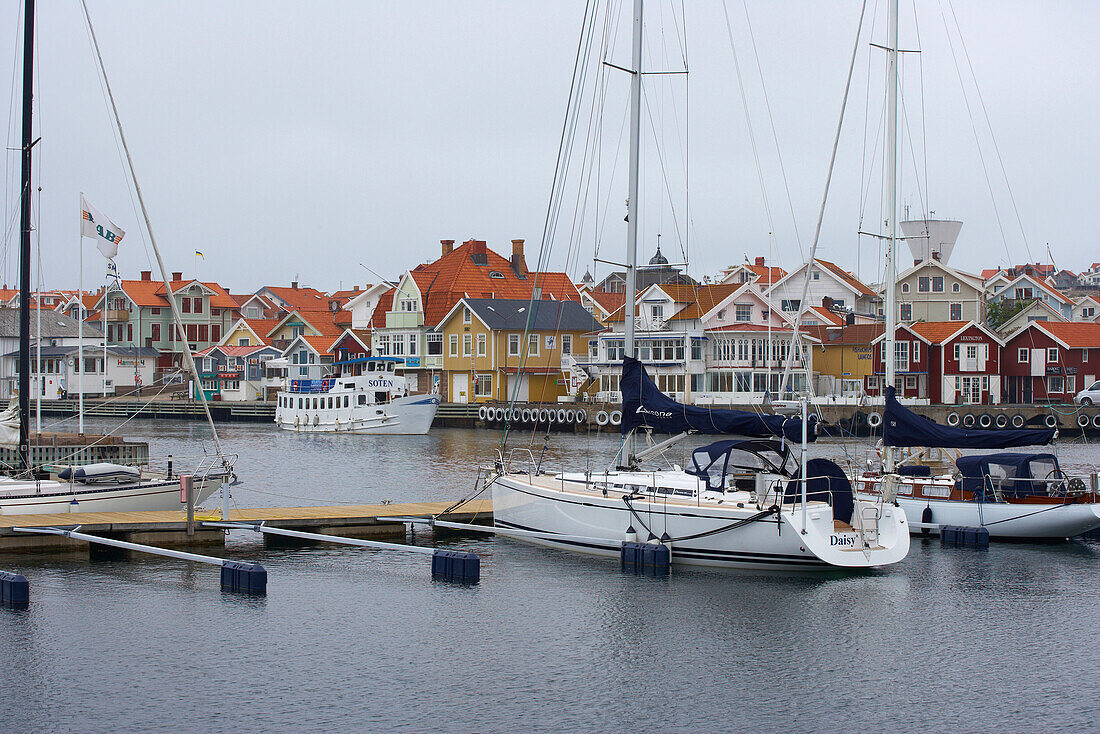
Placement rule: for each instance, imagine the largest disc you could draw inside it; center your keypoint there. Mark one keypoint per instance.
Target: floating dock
(66, 449)
(169, 527)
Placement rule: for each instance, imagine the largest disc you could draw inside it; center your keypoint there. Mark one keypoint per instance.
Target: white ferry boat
(369, 396)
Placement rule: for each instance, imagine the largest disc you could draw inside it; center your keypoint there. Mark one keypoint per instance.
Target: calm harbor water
(354, 640)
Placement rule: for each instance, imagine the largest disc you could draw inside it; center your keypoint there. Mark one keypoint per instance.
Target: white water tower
(931, 238)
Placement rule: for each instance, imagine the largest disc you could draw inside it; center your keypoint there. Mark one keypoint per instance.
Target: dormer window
(466, 318)
(496, 274)
(408, 305)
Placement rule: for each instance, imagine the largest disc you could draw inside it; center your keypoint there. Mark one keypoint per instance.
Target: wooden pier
(64, 449)
(169, 527)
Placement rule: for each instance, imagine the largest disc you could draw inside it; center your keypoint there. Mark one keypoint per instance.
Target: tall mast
(891, 203)
(25, 242)
(632, 192)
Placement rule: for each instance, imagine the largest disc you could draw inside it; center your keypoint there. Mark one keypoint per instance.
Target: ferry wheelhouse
(369, 395)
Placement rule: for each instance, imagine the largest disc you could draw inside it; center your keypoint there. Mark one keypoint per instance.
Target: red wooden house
(946, 362)
(1050, 361)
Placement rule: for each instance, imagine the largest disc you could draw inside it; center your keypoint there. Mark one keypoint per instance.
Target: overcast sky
(295, 140)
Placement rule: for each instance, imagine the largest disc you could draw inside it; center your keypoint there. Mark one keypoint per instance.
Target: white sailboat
(1011, 495)
(741, 505)
(98, 487)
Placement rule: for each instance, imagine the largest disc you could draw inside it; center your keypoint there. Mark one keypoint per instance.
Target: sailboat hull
(28, 498)
(569, 517)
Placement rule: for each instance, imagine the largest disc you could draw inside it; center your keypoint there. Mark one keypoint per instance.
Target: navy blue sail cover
(645, 406)
(1015, 475)
(903, 427)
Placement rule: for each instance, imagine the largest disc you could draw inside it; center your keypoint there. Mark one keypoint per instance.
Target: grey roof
(91, 350)
(512, 314)
(54, 325)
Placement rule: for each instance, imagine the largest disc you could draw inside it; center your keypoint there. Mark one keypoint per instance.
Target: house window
(465, 315)
(483, 386)
(533, 345)
(1084, 355)
(791, 304)
(215, 332)
(1055, 383)
(481, 345)
(955, 288)
(412, 345)
(816, 275)
(129, 332)
(154, 332)
(911, 383)
(923, 283)
(453, 345)
(467, 345)
(567, 343)
(435, 345)
(1052, 355)
(185, 305)
(207, 364)
(1088, 312)
(383, 345)
(513, 345)
(198, 305)
(243, 342)
(904, 287)
(398, 345)
(408, 305)
(916, 352)
(1071, 383)
(743, 312)
(956, 311)
(901, 356)
(204, 330)
(655, 311)
(956, 352)
(252, 312)
(906, 312)
(937, 284)
(1022, 355)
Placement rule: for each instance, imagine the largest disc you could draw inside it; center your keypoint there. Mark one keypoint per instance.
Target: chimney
(477, 252)
(759, 261)
(294, 285)
(519, 265)
(355, 289)
(827, 303)
(850, 318)
(146, 274)
(177, 276)
(448, 245)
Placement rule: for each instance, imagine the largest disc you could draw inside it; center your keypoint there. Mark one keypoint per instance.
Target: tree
(999, 312)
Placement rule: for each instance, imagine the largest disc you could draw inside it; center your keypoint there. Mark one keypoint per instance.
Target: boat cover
(903, 427)
(1011, 472)
(827, 483)
(645, 406)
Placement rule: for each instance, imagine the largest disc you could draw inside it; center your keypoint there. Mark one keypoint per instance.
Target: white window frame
(1052, 355)
(532, 345)
(482, 345)
(1023, 355)
(467, 345)
(513, 345)
(452, 345)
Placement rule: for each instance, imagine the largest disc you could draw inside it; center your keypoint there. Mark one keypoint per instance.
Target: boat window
(380, 397)
(315, 403)
(362, 399)
(349, 385)
(345, 401)
(299, 403)
(1045, 469)
(370, 366)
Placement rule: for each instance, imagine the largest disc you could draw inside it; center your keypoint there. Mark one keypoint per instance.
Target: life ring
(874, 420)
(481, 411)
(1050, 421)
(1002, 421)
(985, 421)
(601, 418)
(562, 415)
(582, 416)
(570, 415)
(1096, 421)
(1018, 421)
(1083, 421)
(969, 420)
(525, 415)
(615, 417)
(541, 416)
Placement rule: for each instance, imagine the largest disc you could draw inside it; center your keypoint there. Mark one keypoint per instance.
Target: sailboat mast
(25, 242)
(891, 204)
(632, 195)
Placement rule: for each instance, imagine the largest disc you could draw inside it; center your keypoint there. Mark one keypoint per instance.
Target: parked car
(1089, 396)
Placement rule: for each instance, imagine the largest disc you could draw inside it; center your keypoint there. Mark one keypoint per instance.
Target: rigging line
(923, 124)
(583, 41)
(974, 130)
(748, 123)
(771, 123)
(663, 167)
(989, 125)
(178, 320)
(796, 344)
(913, 152)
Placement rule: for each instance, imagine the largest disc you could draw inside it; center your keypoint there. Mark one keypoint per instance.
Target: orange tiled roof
(1075, 334)
(385, 303)
(766, 275)
(455, 275)
(856, 284)
(261, 327)
(319, 343)
(700, 299)
(611, 302)
(301, 298)
(830, 317)
(346, 295)
(937, 332)
(151, 293)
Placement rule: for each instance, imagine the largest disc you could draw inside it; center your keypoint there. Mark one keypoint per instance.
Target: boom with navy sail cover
(903, 427)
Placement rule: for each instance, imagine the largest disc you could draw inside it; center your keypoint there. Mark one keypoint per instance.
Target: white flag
(94, 224)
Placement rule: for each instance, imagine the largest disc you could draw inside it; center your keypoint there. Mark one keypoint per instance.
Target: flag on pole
(112, 271)
(94, 224)
(199, 254)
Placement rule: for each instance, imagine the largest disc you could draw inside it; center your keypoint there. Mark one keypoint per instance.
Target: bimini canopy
(644, 406)
(711, 463)
(903, 427)
(1010, 474)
